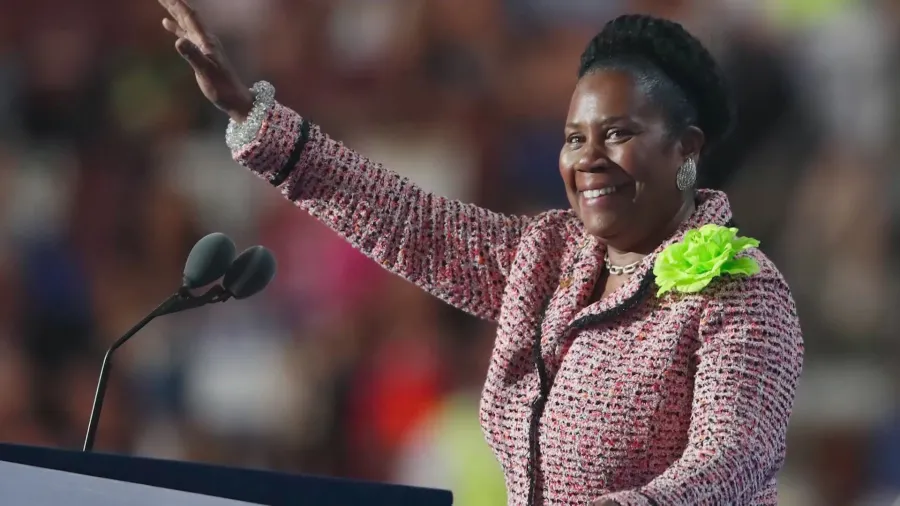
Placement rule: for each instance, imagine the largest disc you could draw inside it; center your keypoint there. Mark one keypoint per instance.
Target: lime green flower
(705, 253)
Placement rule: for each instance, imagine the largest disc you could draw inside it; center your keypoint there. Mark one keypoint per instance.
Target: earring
(687, 175)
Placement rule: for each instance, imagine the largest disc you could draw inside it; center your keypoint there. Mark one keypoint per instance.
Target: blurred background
(112, 165)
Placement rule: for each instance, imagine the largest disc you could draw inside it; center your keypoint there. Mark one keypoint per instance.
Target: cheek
(632, 158)
(642, 163)
(566, 167)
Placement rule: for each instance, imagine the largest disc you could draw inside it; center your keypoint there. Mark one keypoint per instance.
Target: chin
(600, 227)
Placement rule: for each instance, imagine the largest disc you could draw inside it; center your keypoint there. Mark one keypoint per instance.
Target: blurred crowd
(112, 164)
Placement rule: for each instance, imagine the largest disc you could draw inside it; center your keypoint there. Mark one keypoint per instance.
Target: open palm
(215, 76)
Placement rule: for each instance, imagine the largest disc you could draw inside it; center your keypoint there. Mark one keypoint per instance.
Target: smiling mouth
(600, 192)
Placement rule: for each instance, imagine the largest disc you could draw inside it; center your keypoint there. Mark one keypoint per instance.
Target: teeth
(592, 194)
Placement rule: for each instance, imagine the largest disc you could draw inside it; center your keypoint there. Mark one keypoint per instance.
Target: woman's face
(619, 161)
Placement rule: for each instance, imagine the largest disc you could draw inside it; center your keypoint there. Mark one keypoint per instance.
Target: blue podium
(36, 476)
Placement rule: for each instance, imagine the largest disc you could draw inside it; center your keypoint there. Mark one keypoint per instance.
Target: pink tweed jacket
(645, 400)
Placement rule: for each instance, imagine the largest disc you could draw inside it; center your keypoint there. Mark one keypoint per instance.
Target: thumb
(200, 62)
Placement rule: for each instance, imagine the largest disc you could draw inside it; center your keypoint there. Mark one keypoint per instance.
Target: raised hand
(216, 77)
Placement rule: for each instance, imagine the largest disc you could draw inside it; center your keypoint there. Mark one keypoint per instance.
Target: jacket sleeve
(750, 359)
(458, 252)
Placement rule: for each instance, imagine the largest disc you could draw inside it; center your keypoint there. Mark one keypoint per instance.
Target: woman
(639, 359)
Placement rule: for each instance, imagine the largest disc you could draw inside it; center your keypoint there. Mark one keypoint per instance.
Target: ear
(691, 142)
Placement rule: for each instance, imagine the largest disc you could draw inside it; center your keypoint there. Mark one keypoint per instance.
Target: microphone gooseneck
(107, 364)
(210, 259)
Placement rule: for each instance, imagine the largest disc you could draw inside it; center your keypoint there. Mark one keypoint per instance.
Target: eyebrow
(604, 121)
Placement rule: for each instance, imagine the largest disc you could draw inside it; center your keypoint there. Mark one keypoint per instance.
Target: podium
(36, 476)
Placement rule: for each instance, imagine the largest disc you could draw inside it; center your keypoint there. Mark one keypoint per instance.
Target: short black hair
(677, 71)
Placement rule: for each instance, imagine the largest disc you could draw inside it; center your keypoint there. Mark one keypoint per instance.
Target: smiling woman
(642, 113)
(600, 390)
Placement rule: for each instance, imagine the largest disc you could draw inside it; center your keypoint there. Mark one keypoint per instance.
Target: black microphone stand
(182, 300)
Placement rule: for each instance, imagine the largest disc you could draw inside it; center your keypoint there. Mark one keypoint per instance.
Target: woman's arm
(461, 253)
(458, 252)
(750, 359)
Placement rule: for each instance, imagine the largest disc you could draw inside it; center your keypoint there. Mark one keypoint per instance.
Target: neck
(653, 240)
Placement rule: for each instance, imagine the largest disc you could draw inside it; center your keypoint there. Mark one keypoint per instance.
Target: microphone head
(209, 260)
(250, 272)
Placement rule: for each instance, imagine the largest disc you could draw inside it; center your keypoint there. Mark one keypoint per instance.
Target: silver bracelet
(238, 135)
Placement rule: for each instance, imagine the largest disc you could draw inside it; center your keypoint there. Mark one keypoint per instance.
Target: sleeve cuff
(273, 148)
(239, 135)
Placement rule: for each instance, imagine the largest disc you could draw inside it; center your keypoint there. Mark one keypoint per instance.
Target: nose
(593, 158)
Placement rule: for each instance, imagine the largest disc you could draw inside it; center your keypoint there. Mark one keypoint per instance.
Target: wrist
(243, 105)
(247, 117)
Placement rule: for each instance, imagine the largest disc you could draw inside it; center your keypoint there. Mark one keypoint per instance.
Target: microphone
(250, 273)
(208, 261)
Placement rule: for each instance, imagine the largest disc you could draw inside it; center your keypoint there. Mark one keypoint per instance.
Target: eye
(574, 139)
(618, 134)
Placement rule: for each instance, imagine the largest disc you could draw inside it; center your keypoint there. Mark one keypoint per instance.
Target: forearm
(707, 477)
(458, 252)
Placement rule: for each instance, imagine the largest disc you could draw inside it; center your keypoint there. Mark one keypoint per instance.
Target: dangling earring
(687, 175)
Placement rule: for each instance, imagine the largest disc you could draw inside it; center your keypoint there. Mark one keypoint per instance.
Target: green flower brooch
(705, 253)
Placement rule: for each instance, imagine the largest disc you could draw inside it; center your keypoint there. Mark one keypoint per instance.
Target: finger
(201, 62)
(189, 21)
(173, 27)
(169, 6)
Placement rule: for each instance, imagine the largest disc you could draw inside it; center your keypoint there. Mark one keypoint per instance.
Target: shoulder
(761, 302)
(564, 217)
(768, 285)
(549, 238)
(561, 223)
(553, 232)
